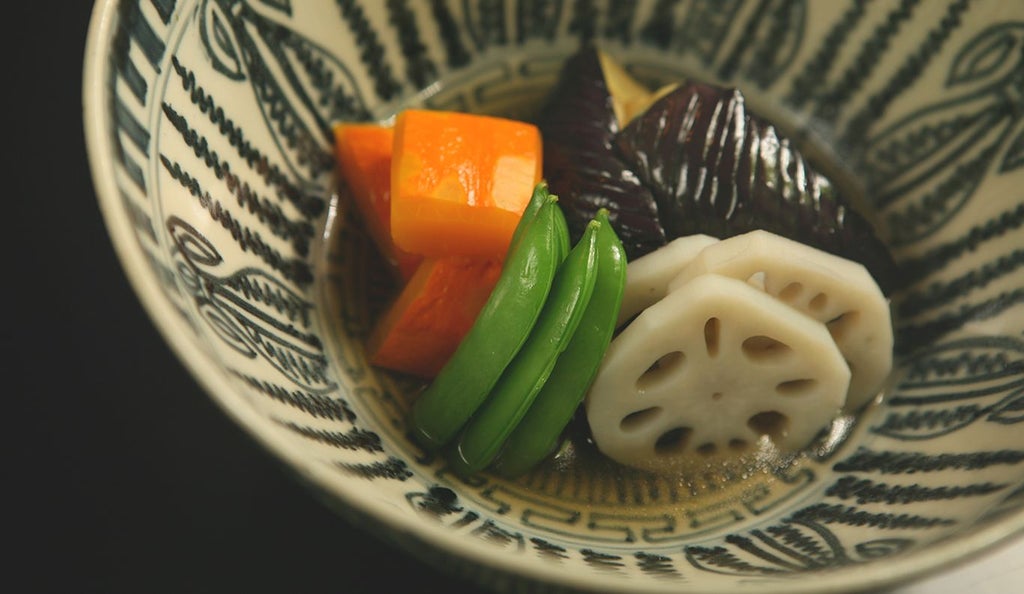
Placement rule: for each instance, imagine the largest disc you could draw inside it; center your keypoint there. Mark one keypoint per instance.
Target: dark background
(121, 474)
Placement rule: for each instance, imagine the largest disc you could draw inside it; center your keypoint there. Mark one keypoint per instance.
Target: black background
(120, 473)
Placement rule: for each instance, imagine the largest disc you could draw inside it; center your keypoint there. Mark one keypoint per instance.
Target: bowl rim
(933, 559)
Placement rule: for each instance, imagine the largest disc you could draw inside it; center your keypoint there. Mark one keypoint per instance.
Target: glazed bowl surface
(208, 125)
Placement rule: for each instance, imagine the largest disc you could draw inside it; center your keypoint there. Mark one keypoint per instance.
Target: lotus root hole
(839, 326)
(791, 292)
(737, 445)
(707, 449)
(660, 369)
(640, 418)
(819, 302)
(770, 423)
(672, 441)
(764, 348)
(712, 330)
(796, 387)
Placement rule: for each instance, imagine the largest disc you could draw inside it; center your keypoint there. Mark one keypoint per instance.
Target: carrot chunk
(363, 153)
(460, 182)
(436, 308)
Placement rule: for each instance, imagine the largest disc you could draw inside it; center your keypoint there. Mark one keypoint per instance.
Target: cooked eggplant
(578, 125)
(716, 169)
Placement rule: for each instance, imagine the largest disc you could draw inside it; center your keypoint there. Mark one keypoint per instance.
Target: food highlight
(663, 263)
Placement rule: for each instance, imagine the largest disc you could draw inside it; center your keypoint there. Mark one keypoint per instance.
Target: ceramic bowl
(208, 128)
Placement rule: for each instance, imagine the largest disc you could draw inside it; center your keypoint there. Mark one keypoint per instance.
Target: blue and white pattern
(218, 185)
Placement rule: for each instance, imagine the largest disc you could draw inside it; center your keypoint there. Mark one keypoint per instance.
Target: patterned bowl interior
(209, 132)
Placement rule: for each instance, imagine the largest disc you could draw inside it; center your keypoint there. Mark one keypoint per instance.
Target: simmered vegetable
(537, 434)
(579, 124)
(709, 369)
(648, 276)
(528, 372)
(441, 296)
(834, 291)
(718, 170)
(436, 308)
(501, 328)
(460, 182)
(363, 152)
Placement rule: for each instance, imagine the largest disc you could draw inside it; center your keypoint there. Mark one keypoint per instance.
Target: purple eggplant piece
(578, 125)
(716, 169)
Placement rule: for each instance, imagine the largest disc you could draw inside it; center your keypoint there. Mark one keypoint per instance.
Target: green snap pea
(519, 385)
(538, 433)
(537, 200)
(502, 326)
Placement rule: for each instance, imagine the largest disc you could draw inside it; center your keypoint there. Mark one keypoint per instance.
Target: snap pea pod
(539, 246)
(537, 199)
(519, 385)
(537, 434)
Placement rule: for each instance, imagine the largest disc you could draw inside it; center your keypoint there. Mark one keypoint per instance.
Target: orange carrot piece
(363, 153)
(460, 182)
(436, 308)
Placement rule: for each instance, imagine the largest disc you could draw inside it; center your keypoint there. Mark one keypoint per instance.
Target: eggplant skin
(578, 125)
(716, 169)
